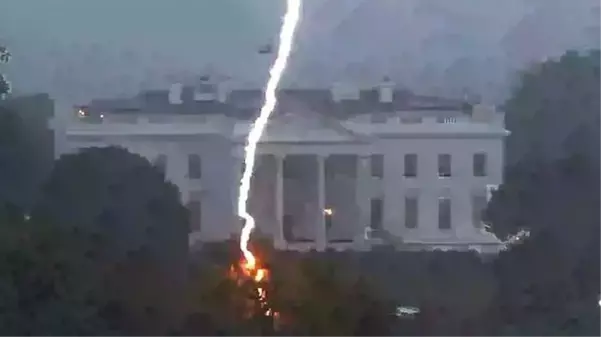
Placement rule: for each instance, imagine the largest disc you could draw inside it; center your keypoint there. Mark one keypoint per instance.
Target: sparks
(289, 24)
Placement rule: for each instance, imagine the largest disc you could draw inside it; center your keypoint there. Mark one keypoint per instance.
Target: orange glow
(242, 272)
(258, 275)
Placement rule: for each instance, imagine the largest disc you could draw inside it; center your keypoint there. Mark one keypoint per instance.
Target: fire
(258, 275)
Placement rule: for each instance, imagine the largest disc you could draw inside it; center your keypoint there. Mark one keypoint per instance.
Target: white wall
(221, 170)
(459, 187)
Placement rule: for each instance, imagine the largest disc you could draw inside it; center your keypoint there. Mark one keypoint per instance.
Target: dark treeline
(95, 243)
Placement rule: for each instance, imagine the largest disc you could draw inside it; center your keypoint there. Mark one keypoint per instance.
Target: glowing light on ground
(516, 239)
(289, 24)
(406, 311)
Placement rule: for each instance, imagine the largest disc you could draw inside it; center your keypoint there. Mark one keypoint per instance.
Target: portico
(311, 201)
(306, 189)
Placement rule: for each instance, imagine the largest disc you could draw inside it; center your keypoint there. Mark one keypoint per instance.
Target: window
(377, 165)
(410, 165)
(161, 163)
(327, 214)
(376, 213)
(194, 166)
(195, 215)
(478, 206)
(411, 212)
(479, 165)
(444, 165)
(444, 213)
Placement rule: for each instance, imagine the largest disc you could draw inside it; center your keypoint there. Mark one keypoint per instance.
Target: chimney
(386, 90)
(175, 93)
(223, 90)
(344, 91)
(204, 90)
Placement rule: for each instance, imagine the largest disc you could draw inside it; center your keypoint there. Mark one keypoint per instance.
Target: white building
(414, 169)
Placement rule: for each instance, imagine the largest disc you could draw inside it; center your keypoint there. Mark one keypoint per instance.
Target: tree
(449, 288)
(137, 229)
(550, 283)
(554, 111)
(26, 148)
(312, 294)
(541, 196)
(553, 151)
(4, 84)
(16, 160)
(544, 291)
(120, 195)
(317, 295)
(45, 285)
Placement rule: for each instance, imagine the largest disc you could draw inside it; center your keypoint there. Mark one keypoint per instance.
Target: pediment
(307, 129)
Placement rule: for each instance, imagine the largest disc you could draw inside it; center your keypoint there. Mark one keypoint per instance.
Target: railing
(146, 119)
(496, 119)
(157, 124)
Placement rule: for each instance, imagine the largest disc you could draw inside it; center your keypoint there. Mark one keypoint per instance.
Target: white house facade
(339, 168)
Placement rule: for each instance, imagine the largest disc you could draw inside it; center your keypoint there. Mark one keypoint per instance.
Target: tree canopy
(44, 286)
(134, 223)
(121, 197)
(552, 175)
(554, 109)
(17, 158)
(312, 294)
(550, 283)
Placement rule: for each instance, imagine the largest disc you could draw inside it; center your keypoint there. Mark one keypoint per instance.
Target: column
(320, 230)
(362, 197)
(236, 174)
(279, 239)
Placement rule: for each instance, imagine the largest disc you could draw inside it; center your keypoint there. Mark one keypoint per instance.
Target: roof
(245, 104)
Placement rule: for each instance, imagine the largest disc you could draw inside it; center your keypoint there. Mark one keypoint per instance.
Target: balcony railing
(137, 124)
(145, 119)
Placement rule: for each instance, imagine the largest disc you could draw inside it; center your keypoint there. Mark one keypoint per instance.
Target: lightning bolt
(291, 19)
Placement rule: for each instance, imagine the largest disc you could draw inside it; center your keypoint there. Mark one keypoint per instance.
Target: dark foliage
(17, 160)
(134, 227)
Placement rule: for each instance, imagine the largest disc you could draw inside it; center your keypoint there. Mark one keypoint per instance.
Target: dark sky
(78, 49)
